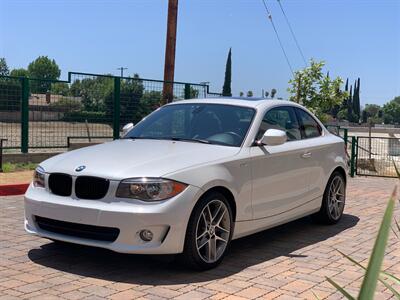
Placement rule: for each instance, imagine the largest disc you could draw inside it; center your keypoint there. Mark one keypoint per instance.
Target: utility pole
(169, 64)
(122, 70)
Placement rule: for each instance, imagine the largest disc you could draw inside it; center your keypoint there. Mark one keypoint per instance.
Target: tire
(205, 245)
(332, 203)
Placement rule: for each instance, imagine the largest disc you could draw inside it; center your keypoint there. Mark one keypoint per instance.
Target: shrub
(60, 88)
(82, 116)
(66, 104)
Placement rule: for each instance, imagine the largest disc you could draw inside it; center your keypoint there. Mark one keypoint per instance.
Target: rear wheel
(209, 232)
(333, 201)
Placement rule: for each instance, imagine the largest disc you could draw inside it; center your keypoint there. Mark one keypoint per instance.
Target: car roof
(238, 101)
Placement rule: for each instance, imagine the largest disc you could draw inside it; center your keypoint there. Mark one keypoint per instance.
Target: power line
(277, 35)
(291, 30)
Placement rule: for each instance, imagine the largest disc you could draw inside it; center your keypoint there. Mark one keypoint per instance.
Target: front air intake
(91, 232)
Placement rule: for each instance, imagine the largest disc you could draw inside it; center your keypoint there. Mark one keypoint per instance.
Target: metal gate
(376, 156)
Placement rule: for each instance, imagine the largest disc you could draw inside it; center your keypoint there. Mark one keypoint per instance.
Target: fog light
(146, 235)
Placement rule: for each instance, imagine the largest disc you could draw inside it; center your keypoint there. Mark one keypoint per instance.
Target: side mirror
(273, 137)
(127, 128)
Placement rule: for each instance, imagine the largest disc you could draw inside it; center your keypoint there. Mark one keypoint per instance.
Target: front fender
(233, 175)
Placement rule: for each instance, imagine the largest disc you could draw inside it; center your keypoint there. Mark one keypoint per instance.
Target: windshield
(204, 123)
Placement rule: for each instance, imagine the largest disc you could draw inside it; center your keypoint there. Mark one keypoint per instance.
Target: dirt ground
(16, 177)
(51, 133)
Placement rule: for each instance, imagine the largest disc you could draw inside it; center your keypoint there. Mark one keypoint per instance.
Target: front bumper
(166, 219)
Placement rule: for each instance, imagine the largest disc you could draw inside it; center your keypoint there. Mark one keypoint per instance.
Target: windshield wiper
(190, 140)
(169, 138)
(172, 138)
(144, 138)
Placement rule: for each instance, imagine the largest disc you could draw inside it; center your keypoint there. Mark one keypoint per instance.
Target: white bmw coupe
(190, 177)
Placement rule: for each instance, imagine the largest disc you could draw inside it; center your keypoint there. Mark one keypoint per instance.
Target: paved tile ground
(288, 262)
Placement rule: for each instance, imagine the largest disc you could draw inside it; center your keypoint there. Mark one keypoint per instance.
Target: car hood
(127, 158)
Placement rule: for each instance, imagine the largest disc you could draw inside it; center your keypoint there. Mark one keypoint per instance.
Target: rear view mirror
(126, 128)
(273, 137)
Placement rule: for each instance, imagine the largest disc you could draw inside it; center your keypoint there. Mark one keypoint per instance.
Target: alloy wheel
(336, 197)
(213, 231)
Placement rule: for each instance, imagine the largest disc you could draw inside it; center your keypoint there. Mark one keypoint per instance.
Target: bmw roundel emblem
(80, 168)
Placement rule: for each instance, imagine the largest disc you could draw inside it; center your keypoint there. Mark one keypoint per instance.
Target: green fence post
(353, 156)
(25, 115)
(345, 135)
(187, 91)
(116, 110)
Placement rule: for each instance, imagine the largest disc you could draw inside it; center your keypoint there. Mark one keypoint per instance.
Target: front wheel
(333, 201)
(209, 232)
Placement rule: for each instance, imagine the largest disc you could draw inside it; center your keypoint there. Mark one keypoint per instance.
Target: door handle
(306, 155)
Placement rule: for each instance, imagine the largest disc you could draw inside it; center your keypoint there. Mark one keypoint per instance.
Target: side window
(308, 124)
(282, 118)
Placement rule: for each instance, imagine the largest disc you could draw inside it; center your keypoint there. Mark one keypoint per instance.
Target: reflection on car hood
(136, 158)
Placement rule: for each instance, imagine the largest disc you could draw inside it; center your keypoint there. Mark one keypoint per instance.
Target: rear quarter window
(309, 126)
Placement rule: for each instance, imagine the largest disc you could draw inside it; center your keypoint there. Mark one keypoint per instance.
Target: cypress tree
(350, 105)
(345, 101)
(356, 99)
(354, 102)
(226, 89)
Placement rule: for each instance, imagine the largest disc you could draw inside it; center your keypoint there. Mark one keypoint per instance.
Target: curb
(13, 189)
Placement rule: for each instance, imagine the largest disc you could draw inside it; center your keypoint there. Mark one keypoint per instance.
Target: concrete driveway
(287, 262)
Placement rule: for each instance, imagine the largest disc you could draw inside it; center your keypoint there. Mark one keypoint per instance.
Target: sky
(356, 38)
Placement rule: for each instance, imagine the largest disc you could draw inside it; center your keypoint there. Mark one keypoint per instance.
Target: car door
(318, 151)
(280, 172)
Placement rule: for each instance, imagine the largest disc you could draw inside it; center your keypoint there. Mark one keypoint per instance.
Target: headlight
(149, 189)
(38, 177)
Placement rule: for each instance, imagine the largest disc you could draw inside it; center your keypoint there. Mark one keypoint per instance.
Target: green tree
(249, 93)
(350, 113)
(60, 88)
(273, 93)
(391, 111)
(372, 109)
(43, 68)
(241, 94)
(356, 100)
(131, 91)
(75, 88)
(342, 114)
(371, 112)
(4, 71)
(316, 91)
(148, 103)
(190, 92)
(364, 116)
(19, 72)
(94, 92)
(10, 95)
(226, 89)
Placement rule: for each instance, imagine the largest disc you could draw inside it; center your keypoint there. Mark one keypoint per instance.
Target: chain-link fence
(10, 111)
(376, 156)
(50, 114)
